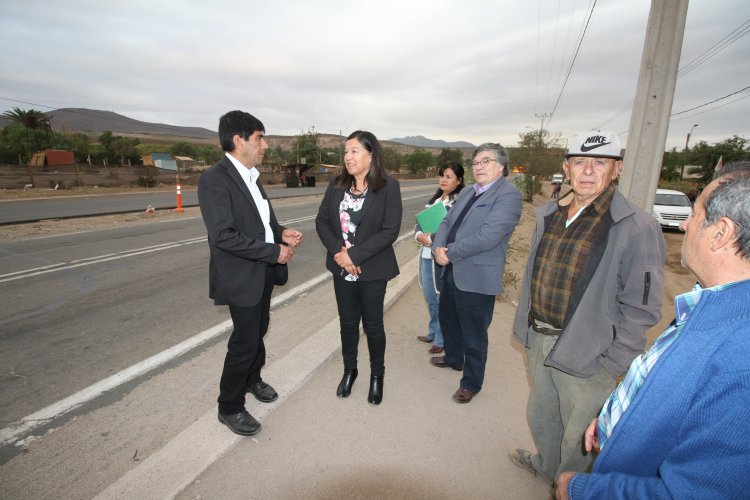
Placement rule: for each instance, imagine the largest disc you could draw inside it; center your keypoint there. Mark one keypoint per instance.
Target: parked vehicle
(557, 178)
(671, 207)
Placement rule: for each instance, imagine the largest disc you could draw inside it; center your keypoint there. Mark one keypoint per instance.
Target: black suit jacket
(236, 236)
(377, 231)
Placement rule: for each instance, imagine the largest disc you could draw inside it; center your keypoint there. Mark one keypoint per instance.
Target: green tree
(183, 149)
(449, 154)
(670, 165)
(36, 125)
(106, 151)
(418, 160)
(208, 154)
(538, 153)
(307, 148)
(125, 147)
(37, 128)
(392, 159)
(707, 156)
(12, 146)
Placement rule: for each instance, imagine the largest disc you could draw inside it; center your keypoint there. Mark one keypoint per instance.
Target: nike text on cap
(598, 144)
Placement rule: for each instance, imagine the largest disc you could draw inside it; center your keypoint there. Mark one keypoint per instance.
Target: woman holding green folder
(451, 182)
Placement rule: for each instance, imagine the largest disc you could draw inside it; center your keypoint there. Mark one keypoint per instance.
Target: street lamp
(684, 160)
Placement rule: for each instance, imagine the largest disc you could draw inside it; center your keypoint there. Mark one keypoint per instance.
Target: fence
(71, 176)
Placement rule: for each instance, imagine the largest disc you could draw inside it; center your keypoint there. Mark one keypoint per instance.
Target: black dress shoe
(376, 389)
(263, 392)
(347, 381)
(241, 423)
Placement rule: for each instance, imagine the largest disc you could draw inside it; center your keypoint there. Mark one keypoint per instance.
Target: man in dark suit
(472, 242)
(249, 253)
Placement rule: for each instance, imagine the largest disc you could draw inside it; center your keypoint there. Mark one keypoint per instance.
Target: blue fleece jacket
(687, 431)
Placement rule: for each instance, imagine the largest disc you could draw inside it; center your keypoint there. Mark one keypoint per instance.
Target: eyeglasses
(484, 162)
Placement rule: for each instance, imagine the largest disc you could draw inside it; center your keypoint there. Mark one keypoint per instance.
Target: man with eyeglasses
(593, 285)
(471, 244)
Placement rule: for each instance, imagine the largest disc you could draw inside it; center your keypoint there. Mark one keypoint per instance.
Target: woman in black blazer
(358, 221)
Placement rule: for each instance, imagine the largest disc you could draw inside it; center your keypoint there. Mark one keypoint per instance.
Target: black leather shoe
(263, 392)
(347, 381)
(376, 389)
(241, 423)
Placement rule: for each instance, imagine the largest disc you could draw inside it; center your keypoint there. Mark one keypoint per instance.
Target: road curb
(175, 466)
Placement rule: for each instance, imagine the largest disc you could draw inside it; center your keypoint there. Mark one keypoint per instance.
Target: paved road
(32, 210)
(80, 307)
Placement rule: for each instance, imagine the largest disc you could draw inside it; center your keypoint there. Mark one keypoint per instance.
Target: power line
(711, 109)
(725, 42)
(710, 102)
(573, 60)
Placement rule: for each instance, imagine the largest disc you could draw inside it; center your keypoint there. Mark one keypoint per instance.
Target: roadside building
(160, 160)
(52, 157)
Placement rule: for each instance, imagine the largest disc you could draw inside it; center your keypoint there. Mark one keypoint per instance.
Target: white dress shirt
(250, 176)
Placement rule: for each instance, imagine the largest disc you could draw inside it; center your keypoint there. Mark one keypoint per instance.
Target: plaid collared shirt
(623, 395)
(561, 256)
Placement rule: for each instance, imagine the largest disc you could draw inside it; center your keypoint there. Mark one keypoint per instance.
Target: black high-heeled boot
(347, 381)
(376, 389)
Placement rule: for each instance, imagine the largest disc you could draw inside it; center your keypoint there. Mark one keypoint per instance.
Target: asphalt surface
(158, 436)
(35, 209)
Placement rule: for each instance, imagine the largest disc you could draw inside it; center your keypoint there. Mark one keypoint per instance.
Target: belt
(544, 330)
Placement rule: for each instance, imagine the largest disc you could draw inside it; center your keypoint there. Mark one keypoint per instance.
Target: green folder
(430, 218)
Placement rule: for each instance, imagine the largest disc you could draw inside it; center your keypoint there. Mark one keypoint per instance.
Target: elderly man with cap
(593, 285)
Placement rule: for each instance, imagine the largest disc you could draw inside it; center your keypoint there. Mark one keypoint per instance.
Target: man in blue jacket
(676, 427)
(593, 285)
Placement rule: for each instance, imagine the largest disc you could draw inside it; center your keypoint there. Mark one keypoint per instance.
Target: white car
(671, 207)
(557, 178)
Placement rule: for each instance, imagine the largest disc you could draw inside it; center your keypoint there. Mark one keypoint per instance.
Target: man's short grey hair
(501, 155)
(731, 199)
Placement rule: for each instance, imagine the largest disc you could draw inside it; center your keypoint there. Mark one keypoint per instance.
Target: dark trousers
(361, 300)
(464, 319)
(246, 351)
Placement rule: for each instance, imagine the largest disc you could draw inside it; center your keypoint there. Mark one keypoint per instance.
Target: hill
(423, 142)
(96, 122)
(91, 120)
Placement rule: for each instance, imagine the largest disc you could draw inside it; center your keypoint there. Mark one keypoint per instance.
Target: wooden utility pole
(653, 101)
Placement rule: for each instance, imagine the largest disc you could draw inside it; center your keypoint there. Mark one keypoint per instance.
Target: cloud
(475, 70)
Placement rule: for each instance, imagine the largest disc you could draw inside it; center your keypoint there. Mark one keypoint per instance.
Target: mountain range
(423, 142)
(97, 121)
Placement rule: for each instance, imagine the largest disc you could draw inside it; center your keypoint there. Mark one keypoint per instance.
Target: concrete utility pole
(653, 101)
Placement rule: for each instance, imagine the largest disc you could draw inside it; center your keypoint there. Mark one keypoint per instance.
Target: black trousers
(246, 351)
(361, 300)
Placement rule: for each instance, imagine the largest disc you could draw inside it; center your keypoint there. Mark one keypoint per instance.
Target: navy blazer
(478, 254)
(240, 254)
(378, 229)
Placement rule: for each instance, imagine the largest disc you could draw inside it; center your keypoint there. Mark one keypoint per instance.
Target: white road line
(13, 433)
(95, 260)
(60, 266)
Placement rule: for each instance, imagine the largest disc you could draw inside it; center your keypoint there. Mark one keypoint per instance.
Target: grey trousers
(560, 408)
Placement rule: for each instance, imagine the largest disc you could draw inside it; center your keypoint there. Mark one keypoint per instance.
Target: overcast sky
(468, 70)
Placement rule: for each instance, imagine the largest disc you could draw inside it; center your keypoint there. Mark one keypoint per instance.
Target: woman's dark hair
(376, 177)
(458, 169)
(237, 123)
